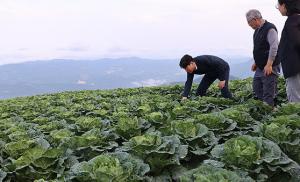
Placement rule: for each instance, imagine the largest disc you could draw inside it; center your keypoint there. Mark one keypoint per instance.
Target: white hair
(253, 14)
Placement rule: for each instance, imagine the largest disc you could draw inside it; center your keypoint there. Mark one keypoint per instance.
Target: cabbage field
(149, 134)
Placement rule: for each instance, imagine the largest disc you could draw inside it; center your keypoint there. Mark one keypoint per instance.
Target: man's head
(288, 7)
(254, 18)
(187, 62)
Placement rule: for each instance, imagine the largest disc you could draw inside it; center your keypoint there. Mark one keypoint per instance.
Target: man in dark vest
(212, 67)
(266, 66)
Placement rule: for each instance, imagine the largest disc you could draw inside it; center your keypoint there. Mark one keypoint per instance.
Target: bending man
(213, 67)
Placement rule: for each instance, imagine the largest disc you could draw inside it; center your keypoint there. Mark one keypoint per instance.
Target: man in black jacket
(266, 66)
(289, 47)
(213, 67)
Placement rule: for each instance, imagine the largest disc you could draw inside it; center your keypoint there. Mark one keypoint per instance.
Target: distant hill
(242, 70)
(40, 77)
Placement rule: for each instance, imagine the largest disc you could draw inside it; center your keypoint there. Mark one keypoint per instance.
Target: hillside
(149, 134)
(41, 77)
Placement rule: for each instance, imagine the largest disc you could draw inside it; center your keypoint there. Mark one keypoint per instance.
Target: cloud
(81, 82)
(75, 48)
(181, 73)
(23, 49)
(113, 70)
(118, 49)
(149, 83)
(150, 28)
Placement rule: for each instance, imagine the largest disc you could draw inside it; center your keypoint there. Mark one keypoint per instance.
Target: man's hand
(222, 84)
(268, 68)
(253, 68)
(184, 98)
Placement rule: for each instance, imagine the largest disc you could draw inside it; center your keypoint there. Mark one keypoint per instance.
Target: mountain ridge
(49, 76)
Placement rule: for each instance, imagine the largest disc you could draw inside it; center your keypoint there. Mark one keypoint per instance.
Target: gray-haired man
(266, 66)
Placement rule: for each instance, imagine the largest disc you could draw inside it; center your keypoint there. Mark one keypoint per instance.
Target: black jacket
(212, 66)
(289, 47)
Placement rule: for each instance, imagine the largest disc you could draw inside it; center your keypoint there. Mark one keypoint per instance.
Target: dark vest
(261, 45)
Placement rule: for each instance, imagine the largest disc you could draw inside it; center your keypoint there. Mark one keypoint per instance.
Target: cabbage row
(149, 134)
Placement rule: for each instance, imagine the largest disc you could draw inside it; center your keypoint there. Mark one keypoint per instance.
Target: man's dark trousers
(265, 88)
(207, 80)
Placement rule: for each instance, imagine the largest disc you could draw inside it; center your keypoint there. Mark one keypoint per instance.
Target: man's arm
(188, 85)
(272, 38)
(221, 74)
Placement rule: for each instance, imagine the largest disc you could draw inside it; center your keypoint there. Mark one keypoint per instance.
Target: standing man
(213, 67)
(289, 47)
(266, 66)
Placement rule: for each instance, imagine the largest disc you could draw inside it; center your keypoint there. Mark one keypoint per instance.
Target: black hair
(292, 6)
(185, 61)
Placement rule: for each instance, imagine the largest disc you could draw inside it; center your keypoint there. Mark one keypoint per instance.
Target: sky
(155, 29)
